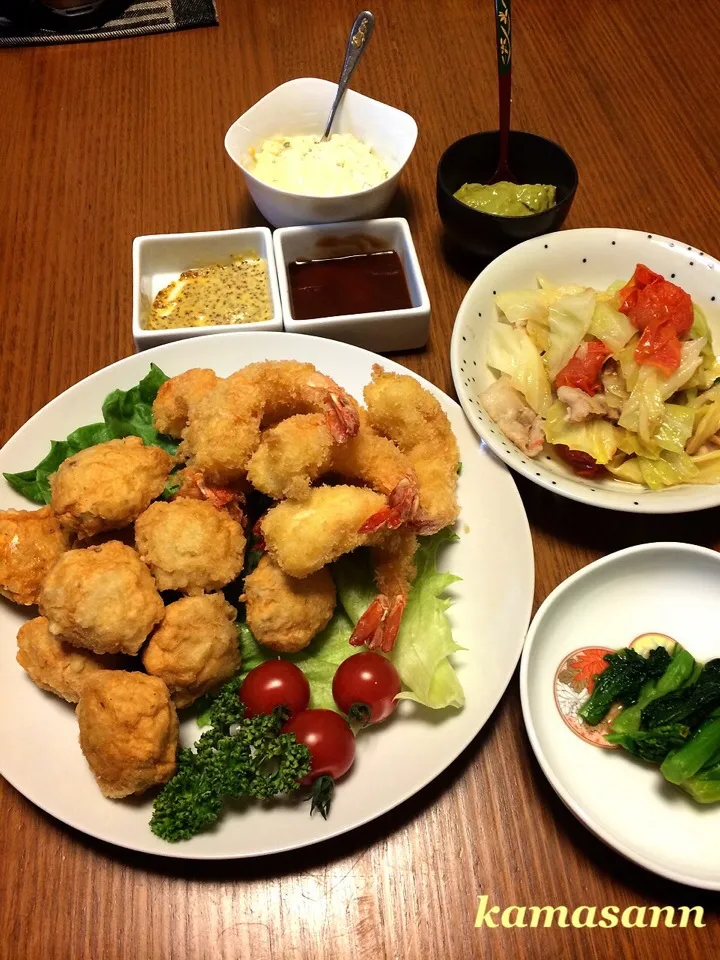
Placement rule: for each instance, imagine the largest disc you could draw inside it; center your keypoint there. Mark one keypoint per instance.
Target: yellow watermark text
(585, 917)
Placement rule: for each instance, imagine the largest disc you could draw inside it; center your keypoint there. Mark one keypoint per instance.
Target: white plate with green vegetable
(464, 658)
(631, 744)
(592, 393)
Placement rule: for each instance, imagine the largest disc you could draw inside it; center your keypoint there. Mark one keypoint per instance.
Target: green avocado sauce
(506, 199)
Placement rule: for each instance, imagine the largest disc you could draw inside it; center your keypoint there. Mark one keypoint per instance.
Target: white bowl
(302, 107)
(160, 258)
(385, 331)
(670, 588)
(596, 257)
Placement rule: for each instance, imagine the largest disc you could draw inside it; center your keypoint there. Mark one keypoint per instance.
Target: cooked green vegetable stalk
(704, 786)
(255, 760)
(623, 681)
(695, 754)
(679, 671)
(652, 745)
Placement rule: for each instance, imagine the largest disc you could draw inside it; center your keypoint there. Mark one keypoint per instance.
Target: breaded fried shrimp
(30, 543)
(224, 426)
(190, 545)
(300, 449)
(101, 598)
(177, 396)
(394, 565)
(304, 537)
(291, 455)
(284, 613)
(223, 430)
(195, 648)
(401, 410)
(107, 486)
(54, 665)
(128, 731)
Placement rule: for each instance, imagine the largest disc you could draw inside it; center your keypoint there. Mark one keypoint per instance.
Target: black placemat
(139, 19)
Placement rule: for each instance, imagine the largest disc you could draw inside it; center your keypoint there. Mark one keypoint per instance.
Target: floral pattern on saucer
(574, 682)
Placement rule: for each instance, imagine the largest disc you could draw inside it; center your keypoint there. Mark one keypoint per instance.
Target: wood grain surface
(103, 141)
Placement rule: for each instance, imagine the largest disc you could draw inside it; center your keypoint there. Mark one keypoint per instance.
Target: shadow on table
(607, 531)
(248, 215)
(353, 843)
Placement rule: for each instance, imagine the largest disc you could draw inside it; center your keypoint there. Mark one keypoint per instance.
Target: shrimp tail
(378, 627)
(401, 507)
(371, 626)
(258, 537)
(342, 417)
(231, 499)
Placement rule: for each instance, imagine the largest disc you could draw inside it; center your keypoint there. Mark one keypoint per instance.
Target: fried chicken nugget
(107, 486)
(128, 731)
(177, 396)
(190, 545)
(195, 648)
(285, 614)
(403, 411)
(30, 543)
(101, 598)
(54, 665)
(304, 537)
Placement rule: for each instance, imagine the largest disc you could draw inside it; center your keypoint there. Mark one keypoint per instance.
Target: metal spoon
(504, 65)
(357, 41)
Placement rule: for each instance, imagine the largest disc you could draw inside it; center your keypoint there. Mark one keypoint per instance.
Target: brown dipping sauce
(360, 283)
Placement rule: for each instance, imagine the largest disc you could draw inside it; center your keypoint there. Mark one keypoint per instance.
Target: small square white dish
(302, 106)
(384, 331)
(160, 258)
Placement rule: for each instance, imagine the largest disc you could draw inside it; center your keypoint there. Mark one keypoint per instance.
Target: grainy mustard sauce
(234, 292)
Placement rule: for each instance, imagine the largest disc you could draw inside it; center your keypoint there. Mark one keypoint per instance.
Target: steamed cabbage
(513, 353)
(569, 320)
(594, 436)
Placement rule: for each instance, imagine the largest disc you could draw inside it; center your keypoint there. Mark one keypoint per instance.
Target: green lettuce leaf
(125, 413)
(424, 642)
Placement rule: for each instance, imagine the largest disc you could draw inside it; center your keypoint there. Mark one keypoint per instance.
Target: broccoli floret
(254, 760)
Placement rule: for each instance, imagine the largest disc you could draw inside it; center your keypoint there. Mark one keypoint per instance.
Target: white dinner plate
(40, 755)
(595, 257)
(670, 588)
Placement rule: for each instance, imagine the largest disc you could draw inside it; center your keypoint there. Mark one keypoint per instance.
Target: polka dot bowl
(595, 257)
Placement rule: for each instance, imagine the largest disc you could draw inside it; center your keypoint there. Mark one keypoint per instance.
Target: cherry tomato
(663, 312)
(332, 752)
(365, 686)
(275, 685)
(583, 369)
(328, 738)
(582, 463)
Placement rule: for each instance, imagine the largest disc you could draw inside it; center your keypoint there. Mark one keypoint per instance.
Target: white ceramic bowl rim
(324, 196)
(578, 256)
(555, 781)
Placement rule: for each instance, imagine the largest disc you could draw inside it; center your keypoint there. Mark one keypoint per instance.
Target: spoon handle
(504, 62)
(357, 41)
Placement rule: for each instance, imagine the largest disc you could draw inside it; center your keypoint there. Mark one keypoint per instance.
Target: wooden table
(104, 141)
